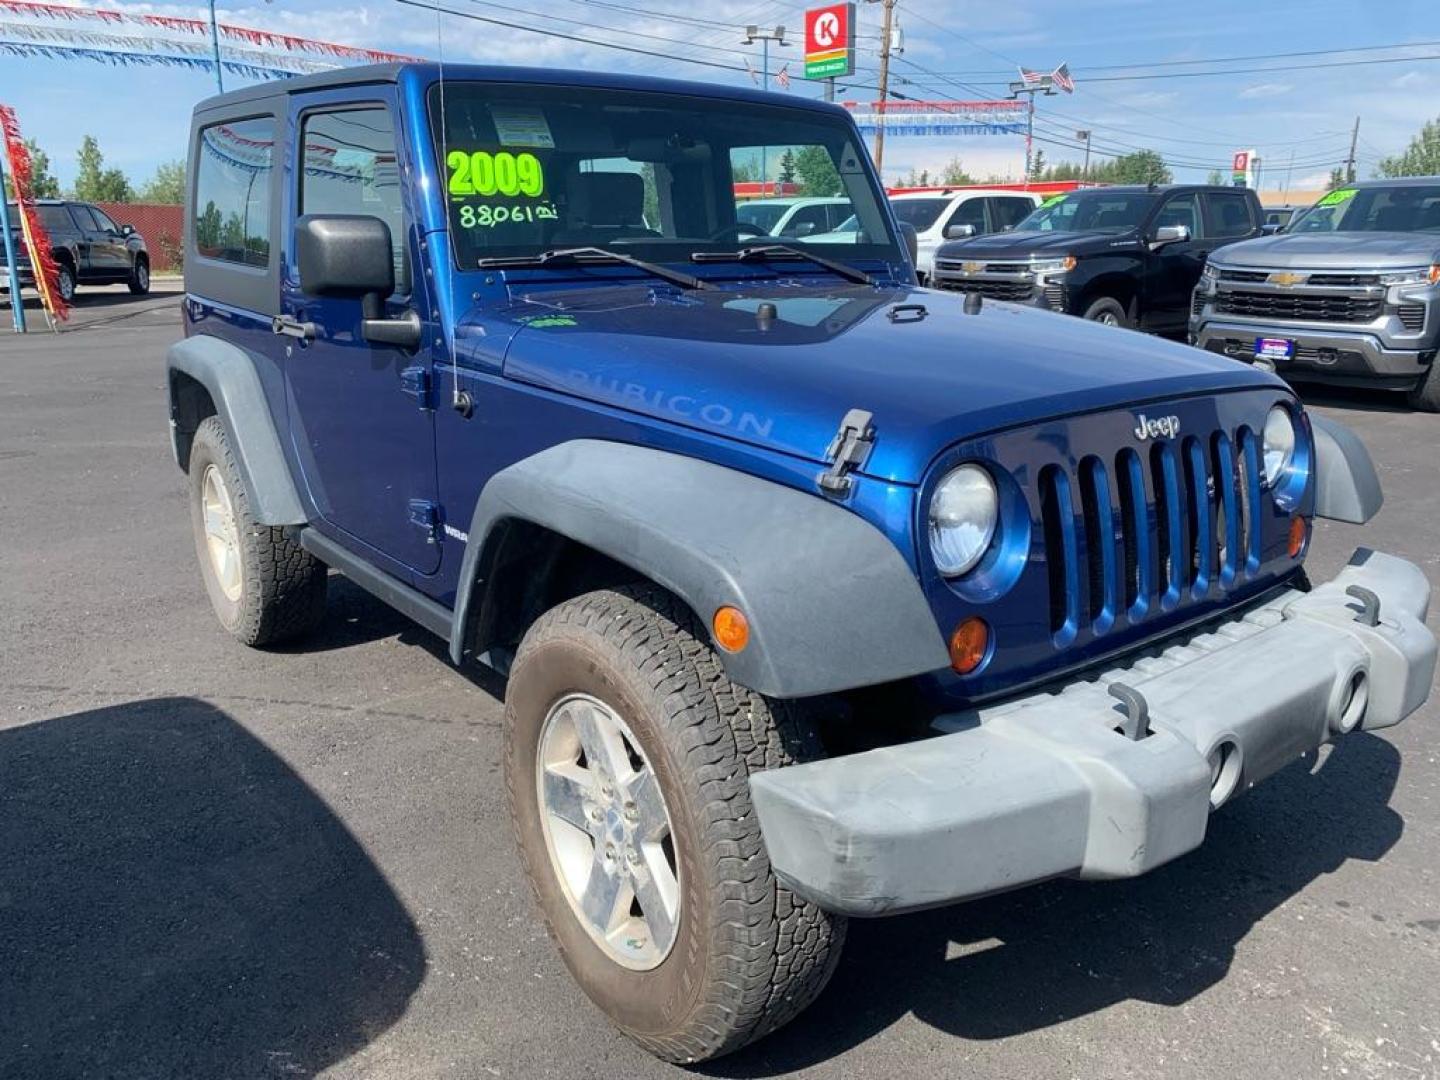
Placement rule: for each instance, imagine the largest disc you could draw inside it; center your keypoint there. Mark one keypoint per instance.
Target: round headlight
(1278, 444)
(963, 513)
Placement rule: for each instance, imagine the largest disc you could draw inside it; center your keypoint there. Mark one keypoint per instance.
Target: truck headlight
(1421, 275)
(1053, 266)
(1209, 275)
(1278, 444)
(963, 514)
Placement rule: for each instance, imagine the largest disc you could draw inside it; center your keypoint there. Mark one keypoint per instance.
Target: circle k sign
(830, 41)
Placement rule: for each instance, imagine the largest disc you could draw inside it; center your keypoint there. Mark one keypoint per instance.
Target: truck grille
(1309, 308)
(1111, 551)
(1335, 280)
(990, 288)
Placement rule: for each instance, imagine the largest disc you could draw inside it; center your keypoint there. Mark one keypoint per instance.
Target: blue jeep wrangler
(818, 594)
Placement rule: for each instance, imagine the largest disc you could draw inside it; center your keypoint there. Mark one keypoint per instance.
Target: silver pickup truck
(1349, 294)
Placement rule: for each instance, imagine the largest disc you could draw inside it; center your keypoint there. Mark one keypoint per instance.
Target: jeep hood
(931, 376)
(1353, 251)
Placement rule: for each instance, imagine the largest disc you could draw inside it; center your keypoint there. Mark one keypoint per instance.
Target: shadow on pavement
(176, 902)
(1031, 959)
(1357, 398)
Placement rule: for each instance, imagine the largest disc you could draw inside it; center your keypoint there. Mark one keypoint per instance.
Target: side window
(350, 167)
(1181, 210)
(969, 212)
(84, 219)
(807, 221)
(1008, 212)
(1229, 214)
(55, 220)
(103, 221)
(232, 191)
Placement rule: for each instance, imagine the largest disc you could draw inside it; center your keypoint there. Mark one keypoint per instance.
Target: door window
(351, 167)
(1229, 214)
(807, 221)
(232, 191)
(103, 221)
(969, 212)
(84, 219)
(1182, 210)
(1008, 211)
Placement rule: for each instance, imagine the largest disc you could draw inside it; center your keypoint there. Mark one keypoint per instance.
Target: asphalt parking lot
(216, 862)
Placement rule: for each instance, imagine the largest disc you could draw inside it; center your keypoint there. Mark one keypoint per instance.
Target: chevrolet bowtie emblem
(1286, 279)
(972, 267)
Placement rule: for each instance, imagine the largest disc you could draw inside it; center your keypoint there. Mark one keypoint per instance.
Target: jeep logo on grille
(1167, 426)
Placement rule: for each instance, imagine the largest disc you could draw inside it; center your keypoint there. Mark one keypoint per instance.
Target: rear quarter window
(232, 191)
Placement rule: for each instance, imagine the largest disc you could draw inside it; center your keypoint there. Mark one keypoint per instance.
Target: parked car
(1123, 256)
(793, 218)
(817, 594)
(1278, 217)
(1349, 295)
(89, 247)
(937, 216)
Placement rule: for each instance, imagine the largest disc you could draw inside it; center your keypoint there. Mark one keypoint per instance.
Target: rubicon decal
(1162, 426)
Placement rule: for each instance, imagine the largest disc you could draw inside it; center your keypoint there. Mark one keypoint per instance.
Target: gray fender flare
(1346, 486)
(228, 375)
(831, 603)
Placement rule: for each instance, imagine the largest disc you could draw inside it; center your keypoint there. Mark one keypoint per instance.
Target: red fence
(161, 224)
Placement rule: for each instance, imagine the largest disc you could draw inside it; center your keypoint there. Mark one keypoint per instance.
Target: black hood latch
(847, 452)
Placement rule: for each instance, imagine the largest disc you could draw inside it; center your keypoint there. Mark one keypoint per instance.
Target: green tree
(744, 172)
(787, 166)
(1140, 167)
(816, 172)
(1037, 164)
(1214, 176)
(1337, 176)
(94, 182)
(167, 185)
(1421, 157)
(954, 174)
(43, 184)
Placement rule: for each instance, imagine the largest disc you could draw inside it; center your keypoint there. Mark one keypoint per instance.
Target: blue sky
(951, 49)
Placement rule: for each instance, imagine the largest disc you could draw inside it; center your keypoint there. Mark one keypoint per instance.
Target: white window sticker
(516, 125)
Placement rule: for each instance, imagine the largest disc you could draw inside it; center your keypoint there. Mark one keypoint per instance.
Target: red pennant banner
(37, 240)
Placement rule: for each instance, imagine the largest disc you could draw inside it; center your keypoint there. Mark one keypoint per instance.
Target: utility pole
(215, 49)
(1350, 161)
(885, 31)
(1084, 136)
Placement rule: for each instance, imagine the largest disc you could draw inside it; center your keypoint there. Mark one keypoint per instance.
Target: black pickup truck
(89, 248)
(1126, 256)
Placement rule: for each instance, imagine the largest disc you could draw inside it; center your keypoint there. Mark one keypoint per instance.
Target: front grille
(1412, 316)
(1339, 280)
(1055, 297)
(990, 288)
(1303, 307)
(1138, 534)
(1197, 303)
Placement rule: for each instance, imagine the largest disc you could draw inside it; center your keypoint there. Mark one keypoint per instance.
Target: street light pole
(1084, 136)
(1016, 89)
(215, 49)
(752, 35)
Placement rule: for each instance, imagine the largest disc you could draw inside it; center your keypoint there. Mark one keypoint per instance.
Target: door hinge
(415, 381)
(847, 452)
(425, 515)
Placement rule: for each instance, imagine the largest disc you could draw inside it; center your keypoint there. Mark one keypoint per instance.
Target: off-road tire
(749, 955)
(1425, 395)
(139, 282)
(1108, 306)
(282, 585)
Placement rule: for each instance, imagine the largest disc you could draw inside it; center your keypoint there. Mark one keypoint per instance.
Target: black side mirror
(1270, 228)
(350, 256)
(127, 230)
(344, 255)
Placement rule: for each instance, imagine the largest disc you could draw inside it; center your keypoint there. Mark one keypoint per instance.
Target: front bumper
(1339, 355)
(1050, 785)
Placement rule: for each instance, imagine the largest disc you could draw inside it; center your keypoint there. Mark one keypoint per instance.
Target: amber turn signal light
(1298, 531)
(969, 645)
(731, 629)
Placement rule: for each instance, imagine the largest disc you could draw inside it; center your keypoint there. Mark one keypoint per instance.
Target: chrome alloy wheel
(222, 535)
(607, 831)
(1108, 318)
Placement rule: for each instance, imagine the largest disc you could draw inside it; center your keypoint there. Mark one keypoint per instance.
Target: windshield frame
(857, 172)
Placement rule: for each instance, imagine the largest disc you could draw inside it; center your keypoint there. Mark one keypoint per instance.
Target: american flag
(1063, 79)
(1031, 78)
(783, 76)
(754, 75)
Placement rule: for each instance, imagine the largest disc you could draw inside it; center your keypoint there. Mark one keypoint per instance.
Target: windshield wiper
(767, 251)
(578, 256)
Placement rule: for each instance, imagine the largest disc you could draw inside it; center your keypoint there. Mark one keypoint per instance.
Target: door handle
(286, 326)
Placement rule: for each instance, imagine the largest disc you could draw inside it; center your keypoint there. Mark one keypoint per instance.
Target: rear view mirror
(959, 232)
(344, 255)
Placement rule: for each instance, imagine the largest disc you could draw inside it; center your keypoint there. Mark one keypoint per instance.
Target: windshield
(1402, 208)
(1091, 211)
(530, 169)
(922, 213)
